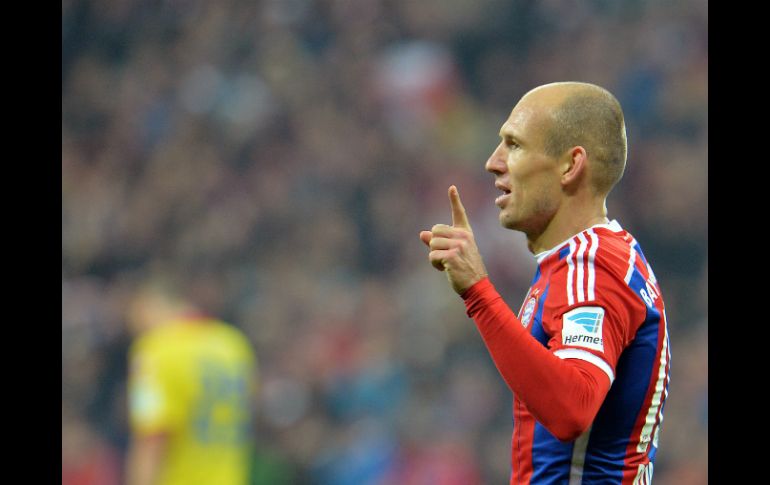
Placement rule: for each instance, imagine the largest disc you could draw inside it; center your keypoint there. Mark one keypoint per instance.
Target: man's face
(528, 177)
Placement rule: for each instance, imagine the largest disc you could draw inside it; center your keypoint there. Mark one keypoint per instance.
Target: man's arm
(563, 395)
(150, 413)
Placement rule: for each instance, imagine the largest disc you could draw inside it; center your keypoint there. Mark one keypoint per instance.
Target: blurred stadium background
(282, 156)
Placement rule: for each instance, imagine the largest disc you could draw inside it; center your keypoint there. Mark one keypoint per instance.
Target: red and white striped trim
(570, 272)
(631, 260)
(581, 272)
(572, 353)
(591, 268)
(579, 256)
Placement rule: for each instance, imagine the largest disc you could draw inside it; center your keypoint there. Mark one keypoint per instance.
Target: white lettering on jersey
(650, 294)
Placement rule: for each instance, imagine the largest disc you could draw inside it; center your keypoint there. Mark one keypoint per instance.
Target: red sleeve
(564, 395)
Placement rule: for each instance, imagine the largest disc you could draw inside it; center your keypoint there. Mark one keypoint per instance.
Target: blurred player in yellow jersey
(191, 387)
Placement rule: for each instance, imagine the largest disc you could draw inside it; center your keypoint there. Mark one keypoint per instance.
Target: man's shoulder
(614, 248)
(595, 247)
(593, 266)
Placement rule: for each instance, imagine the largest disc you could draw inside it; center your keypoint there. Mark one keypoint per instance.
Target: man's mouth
(501, 200)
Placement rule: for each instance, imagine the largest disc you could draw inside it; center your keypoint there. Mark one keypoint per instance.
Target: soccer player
(191, 387)
(587, 358)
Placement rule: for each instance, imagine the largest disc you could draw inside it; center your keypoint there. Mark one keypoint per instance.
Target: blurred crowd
(282, 157)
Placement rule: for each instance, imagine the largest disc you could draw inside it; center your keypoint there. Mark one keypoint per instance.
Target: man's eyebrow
(507, 132)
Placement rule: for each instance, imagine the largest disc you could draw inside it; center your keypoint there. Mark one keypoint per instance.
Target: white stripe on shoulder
(651, 274)
(570, 272)
(631, 261)
(591, 268)
(580, 257)
(614, 226)
(588, 357)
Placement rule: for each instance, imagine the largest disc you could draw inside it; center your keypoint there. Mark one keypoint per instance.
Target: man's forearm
(563, 395)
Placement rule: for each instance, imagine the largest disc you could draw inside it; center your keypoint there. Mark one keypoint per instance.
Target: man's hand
(453, 248)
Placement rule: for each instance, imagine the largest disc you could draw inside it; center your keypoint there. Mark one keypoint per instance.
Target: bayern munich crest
(526, 317)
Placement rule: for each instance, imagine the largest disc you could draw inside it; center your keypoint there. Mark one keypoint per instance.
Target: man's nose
(496, 162)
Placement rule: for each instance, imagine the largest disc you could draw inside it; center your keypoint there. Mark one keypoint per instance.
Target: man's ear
(574, 165)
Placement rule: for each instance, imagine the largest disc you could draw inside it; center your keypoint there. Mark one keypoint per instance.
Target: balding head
(582, 114)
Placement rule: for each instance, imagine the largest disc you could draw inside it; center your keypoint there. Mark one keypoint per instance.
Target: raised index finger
(459, 218)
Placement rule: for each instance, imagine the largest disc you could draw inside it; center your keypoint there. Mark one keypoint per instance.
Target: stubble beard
(533, 225)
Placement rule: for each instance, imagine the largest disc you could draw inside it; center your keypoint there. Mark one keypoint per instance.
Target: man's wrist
(479, 295)
(478, 287)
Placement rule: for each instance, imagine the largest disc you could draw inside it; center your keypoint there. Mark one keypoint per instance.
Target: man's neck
(566, 224)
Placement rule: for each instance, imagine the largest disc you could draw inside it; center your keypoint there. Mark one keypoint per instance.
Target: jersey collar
(613, 226)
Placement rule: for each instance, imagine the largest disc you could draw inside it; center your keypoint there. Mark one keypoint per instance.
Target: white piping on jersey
(591, 268)
(570, 271)
(570, 353)
(580, 267)
(651, 420)
(584, 271)
(631, 261)
(576, 258)
(613, 226)
(651, 275)
(579, 458)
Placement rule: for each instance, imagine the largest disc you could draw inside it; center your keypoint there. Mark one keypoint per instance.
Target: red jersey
(587, 360)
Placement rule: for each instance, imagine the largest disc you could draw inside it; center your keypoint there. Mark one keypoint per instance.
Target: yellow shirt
(194, 380)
